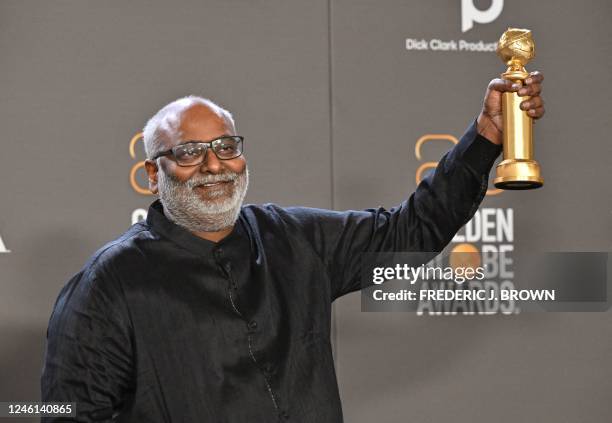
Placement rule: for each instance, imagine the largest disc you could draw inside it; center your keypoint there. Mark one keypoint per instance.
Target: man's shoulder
(98, 283)
(275, 212)
(126, 248)
(306, 219)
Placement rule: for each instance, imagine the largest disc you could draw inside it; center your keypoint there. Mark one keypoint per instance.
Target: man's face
(205, 197)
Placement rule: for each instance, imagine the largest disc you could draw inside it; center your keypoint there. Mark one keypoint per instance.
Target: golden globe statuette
(518, 170)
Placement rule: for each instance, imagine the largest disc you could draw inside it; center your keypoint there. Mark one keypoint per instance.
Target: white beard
(185, 207)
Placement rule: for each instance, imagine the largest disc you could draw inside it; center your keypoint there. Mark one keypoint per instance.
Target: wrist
(487, 129)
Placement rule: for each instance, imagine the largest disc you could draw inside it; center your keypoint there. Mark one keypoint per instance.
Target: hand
(490, 124)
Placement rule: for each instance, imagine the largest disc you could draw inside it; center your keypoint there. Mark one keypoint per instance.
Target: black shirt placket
(225, 266)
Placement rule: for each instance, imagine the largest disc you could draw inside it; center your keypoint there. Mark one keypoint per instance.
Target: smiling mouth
(208, 185)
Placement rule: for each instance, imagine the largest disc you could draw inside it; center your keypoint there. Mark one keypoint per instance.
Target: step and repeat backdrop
(344, 104)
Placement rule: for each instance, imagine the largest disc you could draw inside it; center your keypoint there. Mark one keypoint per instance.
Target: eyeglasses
(192, 153)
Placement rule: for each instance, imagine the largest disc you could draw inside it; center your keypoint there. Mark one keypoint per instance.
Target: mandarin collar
(158, 221)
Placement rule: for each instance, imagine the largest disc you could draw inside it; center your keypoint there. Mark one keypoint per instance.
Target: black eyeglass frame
(208, 146)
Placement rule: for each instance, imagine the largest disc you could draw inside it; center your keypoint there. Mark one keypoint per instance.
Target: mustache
(197, 180)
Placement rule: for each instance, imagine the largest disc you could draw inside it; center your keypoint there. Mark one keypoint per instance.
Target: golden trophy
(518, 170)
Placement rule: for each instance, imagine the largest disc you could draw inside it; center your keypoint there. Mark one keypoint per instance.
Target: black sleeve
(426, 222)
(88, 356)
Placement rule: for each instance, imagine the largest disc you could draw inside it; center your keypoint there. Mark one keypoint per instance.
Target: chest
(223, 306)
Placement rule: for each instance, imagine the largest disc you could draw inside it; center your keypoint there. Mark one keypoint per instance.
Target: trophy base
(518, 174)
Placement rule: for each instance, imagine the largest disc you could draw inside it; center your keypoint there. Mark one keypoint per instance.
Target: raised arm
(443, 202)
(426, 222)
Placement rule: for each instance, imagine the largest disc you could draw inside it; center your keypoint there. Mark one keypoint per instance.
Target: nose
(211, 163)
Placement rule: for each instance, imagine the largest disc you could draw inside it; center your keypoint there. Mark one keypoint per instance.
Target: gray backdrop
(315, 87)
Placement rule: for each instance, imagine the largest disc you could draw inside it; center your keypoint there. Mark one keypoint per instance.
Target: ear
(151, 168)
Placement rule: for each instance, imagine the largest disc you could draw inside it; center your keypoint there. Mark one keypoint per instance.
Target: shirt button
(285, 415)
(268, 370)
(252, 325)
(219, 252)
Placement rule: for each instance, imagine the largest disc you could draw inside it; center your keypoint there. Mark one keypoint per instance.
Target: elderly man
(210, 311)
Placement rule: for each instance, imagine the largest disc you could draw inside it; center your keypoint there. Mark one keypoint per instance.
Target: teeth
(211, 184)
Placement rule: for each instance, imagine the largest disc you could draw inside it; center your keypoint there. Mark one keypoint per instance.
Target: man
(210, 311)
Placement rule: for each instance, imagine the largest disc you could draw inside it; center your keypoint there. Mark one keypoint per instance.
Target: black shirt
(163, 326)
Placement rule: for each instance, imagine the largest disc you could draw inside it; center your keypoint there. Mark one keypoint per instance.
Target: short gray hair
(168, 119)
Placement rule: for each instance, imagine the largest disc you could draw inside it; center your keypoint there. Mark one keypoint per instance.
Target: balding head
(165, 128)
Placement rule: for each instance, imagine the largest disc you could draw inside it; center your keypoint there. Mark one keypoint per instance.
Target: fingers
(536, 113)
(533, 85)
(532, 103)
(534, 77)
(534, 107)
(502, 85)
(532, 88)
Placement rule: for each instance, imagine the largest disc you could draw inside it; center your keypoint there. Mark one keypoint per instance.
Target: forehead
(200, 123)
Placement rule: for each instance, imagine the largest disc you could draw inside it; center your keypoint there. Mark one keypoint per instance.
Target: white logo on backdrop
(470, 13)
(3, 248)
